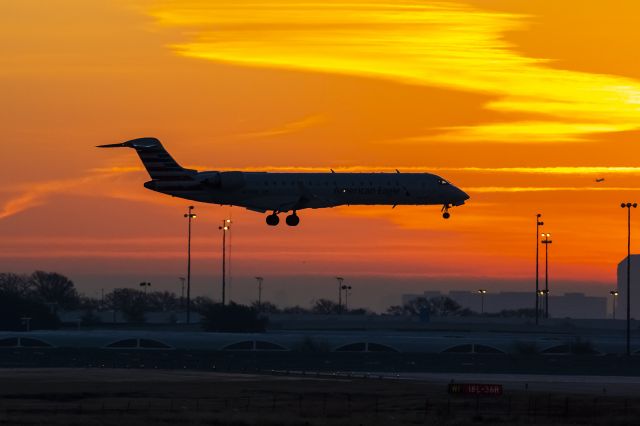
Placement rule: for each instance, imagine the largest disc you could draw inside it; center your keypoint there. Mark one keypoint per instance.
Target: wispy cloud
(495, 189)
(560, 170)
(286, 128)
(442, 44)
(35, 194)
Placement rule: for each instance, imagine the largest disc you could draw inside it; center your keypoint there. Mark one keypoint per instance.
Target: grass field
(154, 397)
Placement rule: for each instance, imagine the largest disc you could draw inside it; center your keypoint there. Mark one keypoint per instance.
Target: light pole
(226, 225)
(340, 279)
(482, 292)
(615, 295)
(189, 216)
(27, 323)
(182, 280)
(347, 289)
(539, 223)
(628, 207)
(541, 293)
(145, 285)
(546, 241)
(259, 279)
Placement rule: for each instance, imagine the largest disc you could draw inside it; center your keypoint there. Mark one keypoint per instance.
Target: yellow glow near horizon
(439, 44)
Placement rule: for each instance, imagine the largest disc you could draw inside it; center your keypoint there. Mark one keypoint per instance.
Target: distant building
(577, 305)
(431, 294)
(406, 298)
(621, 303)
(569, 305)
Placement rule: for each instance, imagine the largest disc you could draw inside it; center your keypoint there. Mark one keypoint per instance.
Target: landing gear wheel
(293, 220)
(445, 211)
(273, 219)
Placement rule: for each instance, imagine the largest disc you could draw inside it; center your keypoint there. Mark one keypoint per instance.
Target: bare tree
(444, 306)
(162, 301)
(131, 302)
(17, 284)
(265, 307)
(54, 288)
(295, 310)
(325, 306)
(438, 306)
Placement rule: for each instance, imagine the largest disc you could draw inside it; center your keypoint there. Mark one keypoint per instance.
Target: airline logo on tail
(157, 161)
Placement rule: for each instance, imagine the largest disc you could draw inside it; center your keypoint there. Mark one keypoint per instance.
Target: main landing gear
(445, 211)
(273, 219)
(291, 220)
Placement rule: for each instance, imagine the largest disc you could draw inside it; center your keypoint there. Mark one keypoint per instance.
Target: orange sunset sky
(521, 103)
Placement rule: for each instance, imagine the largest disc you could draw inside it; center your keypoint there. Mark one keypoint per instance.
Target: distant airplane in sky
(599, 180)
(290, 192)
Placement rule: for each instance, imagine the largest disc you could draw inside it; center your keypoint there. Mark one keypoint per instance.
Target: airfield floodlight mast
(182, 280)
(145, 285)
(189, 216)
(539, 223)
(482, 292)
(259, 279)
(340, 280)
(540, 295)
(546, 241)
(628, 207)
(347, 290)
(226, 225)
(615, 295)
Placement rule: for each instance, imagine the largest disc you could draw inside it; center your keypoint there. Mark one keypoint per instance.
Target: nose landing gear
(445, 211)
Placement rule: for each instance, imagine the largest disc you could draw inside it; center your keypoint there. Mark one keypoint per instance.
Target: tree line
(40, 295)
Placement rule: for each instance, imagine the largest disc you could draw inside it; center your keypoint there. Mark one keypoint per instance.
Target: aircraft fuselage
(284, 192)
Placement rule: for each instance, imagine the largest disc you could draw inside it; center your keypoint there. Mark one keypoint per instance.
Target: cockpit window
(443, 182)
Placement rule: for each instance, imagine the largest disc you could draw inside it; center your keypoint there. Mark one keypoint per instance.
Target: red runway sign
(475, 389)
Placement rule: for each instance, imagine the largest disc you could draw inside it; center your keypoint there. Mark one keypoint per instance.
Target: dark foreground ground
(122, 397)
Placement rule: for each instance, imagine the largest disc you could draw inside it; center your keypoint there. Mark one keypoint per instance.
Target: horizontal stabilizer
(113, 145)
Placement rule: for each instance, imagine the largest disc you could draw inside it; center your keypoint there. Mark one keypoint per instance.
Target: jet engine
(223, 180)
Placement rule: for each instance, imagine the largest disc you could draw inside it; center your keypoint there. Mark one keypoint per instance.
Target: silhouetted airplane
(599, 180)
(290, 192)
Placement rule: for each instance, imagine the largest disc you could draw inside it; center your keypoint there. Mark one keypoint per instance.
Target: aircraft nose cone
(461, 196)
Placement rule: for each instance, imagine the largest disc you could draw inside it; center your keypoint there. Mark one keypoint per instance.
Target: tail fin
(159, 164)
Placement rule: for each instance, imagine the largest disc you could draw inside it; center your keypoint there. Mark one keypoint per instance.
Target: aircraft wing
(287, 203)
(274, 203)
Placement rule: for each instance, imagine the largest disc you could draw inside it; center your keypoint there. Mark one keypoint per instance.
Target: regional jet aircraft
(290, 192)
